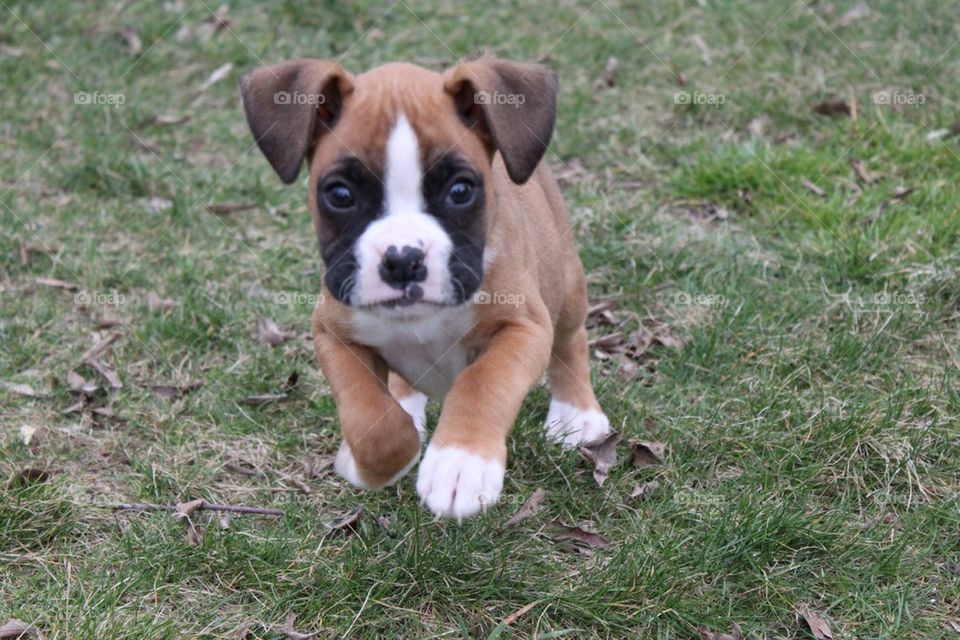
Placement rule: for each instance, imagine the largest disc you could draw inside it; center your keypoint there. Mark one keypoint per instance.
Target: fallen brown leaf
(667, 339)
(13, 629)
(156, 303)
(758, 126)
(134, 45)
(156, 204)
(147, 144)
(270, 334)
(75, 381)
(953, 625)
(57, 284)
(167, 119)
(571, 172)
(186, 509)
(292, 382)
(79, 384)
(705, 211)
(902, 192)
(101, 415)
(600, 307)
(175, 392)
(528, 509)
(298, 483)
(833, 108)
(581, 537)
(106, 320)
(628, 370)
(293, 634)
(217, 75)
(27, 250)
(608, 341)
(601, 355)
(609, 77)
(18, 389)
(516, 615)
(76, 407)
(227, 208)
(647, 454)
(602, 313)
(349, 523)
(218, 19)
(238, 467)
(643, 491)
(858, 11)
(109, 372)
(862, 172)
(100, 347)
(706, 634)
(27, 432)
(603, 454)
(193, 535)
(818, 626)
(813, 188)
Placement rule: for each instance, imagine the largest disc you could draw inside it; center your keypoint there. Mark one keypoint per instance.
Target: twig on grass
(204, 506)
(100, 348)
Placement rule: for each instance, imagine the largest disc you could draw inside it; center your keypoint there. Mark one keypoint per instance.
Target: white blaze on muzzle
(403, 256)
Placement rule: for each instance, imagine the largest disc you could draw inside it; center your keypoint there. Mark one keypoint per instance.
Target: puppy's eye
(461, 193)
(339, 196)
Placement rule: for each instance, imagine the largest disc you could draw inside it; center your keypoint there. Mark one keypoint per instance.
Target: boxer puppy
(451, 270)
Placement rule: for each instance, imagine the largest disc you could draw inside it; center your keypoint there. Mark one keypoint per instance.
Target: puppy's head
(400, 167)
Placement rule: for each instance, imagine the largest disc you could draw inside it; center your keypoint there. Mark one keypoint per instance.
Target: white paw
(571, 427)
(346, 466)
(455, 483)
(416, 405)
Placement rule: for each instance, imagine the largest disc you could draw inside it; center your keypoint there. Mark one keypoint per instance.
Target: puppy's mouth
(411, 299)
(411, 296)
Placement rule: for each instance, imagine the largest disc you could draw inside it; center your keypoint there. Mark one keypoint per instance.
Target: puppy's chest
(430, 352)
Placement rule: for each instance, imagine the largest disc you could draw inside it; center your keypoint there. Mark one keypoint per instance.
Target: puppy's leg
(575, 416)
(413, 402)
(462, 469)
(380, 442)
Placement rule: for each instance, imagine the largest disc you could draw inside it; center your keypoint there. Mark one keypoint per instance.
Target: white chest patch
(427, 351)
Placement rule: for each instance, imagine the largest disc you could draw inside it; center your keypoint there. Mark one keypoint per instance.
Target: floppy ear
(511, 104)
(288, 103)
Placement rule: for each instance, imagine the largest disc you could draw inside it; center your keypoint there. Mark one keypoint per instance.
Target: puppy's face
(398, 192)
(400, 167)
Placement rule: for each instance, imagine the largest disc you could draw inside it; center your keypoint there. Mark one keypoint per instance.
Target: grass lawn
(799, 269)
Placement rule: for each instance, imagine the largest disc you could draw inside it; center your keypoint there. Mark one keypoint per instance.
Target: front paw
(455, 483)
(378, 448)
(346, 465)
(570, 427)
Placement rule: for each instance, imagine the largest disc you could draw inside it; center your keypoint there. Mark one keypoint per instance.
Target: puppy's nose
(400, 268)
